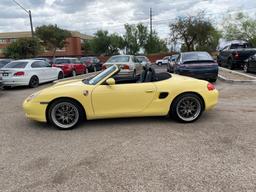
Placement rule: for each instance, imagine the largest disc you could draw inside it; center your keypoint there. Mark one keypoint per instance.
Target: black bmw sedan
(198, 65)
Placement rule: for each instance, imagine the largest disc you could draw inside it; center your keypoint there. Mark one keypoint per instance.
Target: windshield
(116, 59)
(16, 64)
(102, 75)
(239, 46)
(196, 56)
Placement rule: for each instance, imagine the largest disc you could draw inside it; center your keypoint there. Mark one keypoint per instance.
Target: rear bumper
(200, 74)
(15, 81)
(125, 73)
(211, 99)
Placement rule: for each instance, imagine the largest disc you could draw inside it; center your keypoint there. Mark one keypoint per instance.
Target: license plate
(5, 74)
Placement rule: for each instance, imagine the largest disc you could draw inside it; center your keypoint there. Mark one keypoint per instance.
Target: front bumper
(35, 111)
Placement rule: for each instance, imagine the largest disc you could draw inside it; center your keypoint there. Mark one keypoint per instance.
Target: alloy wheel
(65, 115)
(188, 108)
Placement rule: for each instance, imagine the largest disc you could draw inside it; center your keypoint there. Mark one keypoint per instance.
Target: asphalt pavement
(216, 153)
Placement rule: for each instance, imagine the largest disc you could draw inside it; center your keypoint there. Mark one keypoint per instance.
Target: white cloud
(88, 16)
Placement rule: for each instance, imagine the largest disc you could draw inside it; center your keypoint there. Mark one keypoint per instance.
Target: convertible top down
(65, 104)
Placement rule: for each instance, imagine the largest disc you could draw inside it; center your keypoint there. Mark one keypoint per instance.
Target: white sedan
(29, 73)
(130, 66)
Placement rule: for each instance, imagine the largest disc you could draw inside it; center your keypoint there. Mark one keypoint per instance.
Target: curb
(221, 78)
(238, 73)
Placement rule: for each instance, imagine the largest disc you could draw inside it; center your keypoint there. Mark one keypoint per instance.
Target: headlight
(32, 96)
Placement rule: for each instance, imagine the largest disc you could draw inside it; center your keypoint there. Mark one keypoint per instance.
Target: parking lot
(216, 153)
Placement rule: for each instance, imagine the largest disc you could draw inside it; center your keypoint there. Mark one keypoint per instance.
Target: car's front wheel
(60, 75)
(187, 108)
(64, 114)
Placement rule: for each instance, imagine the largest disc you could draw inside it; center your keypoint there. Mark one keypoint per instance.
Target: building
(73, 47)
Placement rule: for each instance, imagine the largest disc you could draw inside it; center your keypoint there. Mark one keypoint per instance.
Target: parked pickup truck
(235, 54)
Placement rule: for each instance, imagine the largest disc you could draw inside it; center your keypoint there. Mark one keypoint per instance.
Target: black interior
(148, 75)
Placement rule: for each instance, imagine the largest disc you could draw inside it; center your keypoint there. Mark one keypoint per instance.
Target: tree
(155, 45)
(240, 27)
(23, 48)
(131, 38)
(194, 32)
(116, 43)
(52, 36)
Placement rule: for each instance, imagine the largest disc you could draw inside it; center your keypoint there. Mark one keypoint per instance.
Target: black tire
(230, 64)
(60, 75)
(176, 108)
(213, 80)
(34, 82)
(159, 64)
(57, 106)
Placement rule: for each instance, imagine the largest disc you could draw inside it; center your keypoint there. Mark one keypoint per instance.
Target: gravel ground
(216, 153)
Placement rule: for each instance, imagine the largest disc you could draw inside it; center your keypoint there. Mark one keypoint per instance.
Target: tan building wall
(72, 48)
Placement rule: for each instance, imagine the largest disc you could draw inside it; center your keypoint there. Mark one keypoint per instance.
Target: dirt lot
(216, 153)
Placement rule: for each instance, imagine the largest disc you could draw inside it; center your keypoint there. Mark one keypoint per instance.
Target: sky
(88, 16)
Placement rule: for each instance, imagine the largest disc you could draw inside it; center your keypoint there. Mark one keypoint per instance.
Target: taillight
(210, 87)
(103, 67)
(125, 67)
(237, 56)
(20, 73)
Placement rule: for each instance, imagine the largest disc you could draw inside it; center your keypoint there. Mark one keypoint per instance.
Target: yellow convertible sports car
(65, 104)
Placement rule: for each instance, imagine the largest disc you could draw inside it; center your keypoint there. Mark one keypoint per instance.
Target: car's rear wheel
(34, 82)
(65, 114)
(60, 75)
(159, 64)
(230, 64)
(187, 108)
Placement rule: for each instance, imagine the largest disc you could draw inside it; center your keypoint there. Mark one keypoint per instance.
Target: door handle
(149, 91)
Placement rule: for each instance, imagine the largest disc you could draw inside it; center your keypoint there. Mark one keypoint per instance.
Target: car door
(51, 73)
(122, 99)
(79, 66)
(138, 65)
(38, 70)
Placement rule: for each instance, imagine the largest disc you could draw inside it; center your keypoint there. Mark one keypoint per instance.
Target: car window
(119, 58)
(45, 64)
(16, 64)
(62, 61)
(102, 75)
(239, 46)
(4, 62)
(36, 64)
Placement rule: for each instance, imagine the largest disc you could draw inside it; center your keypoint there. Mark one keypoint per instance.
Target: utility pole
(29, 14)
(151, 25)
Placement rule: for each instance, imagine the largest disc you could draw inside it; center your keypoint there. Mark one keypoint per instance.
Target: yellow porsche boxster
(65, 104)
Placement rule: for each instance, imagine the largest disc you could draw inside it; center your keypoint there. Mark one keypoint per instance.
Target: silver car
(129, 65)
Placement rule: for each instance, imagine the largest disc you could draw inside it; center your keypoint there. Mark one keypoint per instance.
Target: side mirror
(111, 81)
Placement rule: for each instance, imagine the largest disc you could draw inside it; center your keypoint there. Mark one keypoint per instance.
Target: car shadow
(102, 123)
